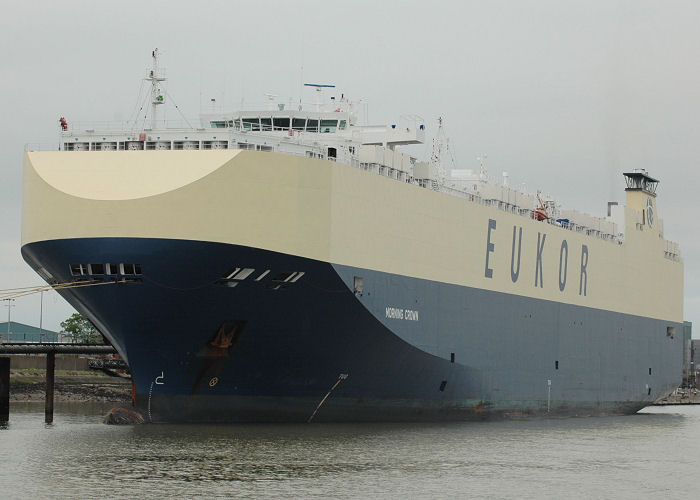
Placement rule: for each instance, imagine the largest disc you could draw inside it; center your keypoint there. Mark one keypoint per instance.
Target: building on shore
(693, 377)
(19, 332)
(691, 355)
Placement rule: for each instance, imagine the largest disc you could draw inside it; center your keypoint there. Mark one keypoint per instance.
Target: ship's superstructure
(292, 264)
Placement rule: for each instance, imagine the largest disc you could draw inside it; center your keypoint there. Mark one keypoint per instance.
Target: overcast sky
(564, 95)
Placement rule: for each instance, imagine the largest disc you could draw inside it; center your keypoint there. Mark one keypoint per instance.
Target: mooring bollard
(50, 368)
(4, 390)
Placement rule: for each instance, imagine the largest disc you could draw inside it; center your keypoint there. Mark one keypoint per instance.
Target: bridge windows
(311, 125)
(251, 124)
(328, 126)
(281, 123)
(298, 123)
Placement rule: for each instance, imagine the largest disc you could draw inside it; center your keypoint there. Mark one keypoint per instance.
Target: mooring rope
(341, 377)
(22, 291)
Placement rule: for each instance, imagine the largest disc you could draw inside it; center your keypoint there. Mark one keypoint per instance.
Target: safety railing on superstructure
(79, 128)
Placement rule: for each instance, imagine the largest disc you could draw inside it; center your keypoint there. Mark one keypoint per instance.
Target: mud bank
(75, 387)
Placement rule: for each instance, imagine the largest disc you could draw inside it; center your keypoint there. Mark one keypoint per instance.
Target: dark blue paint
(292, 343)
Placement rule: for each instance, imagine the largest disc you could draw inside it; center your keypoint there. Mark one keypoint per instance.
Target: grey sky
(564, 95)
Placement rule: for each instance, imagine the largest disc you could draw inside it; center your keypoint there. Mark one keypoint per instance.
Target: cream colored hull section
(334, 213)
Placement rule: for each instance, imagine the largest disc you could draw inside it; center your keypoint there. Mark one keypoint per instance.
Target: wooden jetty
(50, 349)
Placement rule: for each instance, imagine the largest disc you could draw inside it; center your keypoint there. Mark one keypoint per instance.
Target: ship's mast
(440, 145)
(156, 94)
(483, 173)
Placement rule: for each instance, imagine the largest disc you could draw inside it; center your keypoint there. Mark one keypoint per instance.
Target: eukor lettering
(515, 257)
(563, 257)
(515, 272)
(583, 281)
(538, 266)
(404, 314)
(488, 272)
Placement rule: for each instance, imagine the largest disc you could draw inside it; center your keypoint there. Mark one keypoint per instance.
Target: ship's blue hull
(402, 348)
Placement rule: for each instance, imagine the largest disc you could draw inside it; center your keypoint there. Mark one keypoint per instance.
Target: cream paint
(335, 213)
(103, 175)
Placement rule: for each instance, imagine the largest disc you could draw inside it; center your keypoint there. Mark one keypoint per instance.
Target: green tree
(80, 329)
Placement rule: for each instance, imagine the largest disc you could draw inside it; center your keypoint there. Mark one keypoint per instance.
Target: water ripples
(619, 457)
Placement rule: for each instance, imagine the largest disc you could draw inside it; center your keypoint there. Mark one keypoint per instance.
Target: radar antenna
(319, 90)
(271, 100)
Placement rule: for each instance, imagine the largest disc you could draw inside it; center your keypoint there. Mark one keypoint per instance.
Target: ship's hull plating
(400, 349)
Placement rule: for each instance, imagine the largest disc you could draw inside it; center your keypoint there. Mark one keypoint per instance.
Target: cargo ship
(292, 265)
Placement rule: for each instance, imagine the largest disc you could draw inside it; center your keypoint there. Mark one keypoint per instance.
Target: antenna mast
(483, 173)
(440, 145)
(156, 93)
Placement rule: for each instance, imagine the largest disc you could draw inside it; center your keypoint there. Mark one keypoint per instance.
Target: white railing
(41, 146)
(80, 127)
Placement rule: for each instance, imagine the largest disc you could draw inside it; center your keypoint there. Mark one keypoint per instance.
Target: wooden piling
(4, 390)
(50, 369)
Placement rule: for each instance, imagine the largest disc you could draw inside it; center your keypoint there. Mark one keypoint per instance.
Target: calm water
(655, 454)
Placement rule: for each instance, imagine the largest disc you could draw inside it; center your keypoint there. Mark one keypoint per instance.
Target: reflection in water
(601, 457)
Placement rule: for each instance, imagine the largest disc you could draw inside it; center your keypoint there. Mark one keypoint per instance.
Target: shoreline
(27, 386)
(70, 387)
(679, 399)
